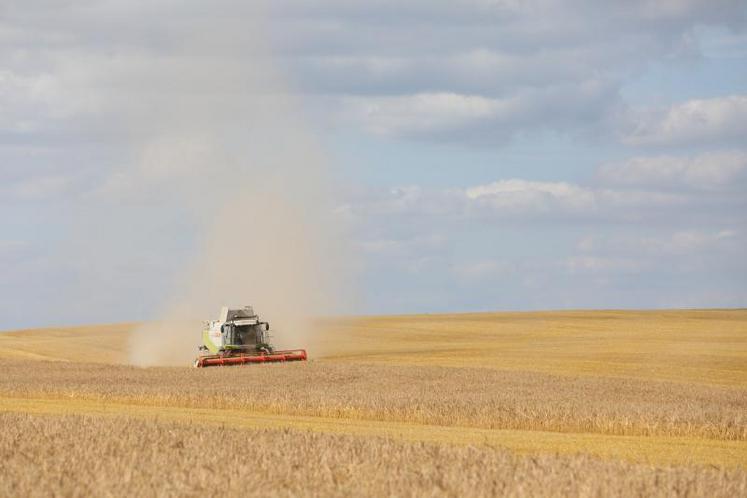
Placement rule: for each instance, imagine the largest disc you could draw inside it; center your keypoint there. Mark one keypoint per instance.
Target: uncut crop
(428, 395)
(88, 456)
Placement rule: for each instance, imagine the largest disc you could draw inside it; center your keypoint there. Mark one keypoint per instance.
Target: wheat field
(118, 456)
(559, 403)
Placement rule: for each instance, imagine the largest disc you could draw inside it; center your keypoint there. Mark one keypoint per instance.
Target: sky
(480, 155)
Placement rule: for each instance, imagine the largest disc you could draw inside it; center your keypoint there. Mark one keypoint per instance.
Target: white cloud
(694, 121)
(464, 117)
(597, 264)
(680, 243)
(516, 193)
(423, 113)
(522, 198)
(701, 256)
(711, 170)
(519, 200)
(689, 241)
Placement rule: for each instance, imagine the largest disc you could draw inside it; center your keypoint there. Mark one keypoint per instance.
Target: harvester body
(238, 336)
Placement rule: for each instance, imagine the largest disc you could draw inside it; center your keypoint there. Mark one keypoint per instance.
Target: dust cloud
(226, 144)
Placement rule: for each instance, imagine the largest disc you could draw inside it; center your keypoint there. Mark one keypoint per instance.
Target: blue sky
(482, 155)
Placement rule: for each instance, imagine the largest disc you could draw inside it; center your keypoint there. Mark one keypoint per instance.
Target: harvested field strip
(654, 450)
(99, 343)
(687, 346)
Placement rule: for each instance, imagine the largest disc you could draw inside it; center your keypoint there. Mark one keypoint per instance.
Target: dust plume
(227, 145)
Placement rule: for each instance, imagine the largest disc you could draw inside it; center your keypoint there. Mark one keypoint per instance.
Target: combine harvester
(239, 337)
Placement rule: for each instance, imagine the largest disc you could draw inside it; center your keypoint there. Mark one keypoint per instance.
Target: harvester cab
(237, 337)
(241, 329)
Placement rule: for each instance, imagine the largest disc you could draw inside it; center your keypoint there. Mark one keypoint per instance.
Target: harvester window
(247, 335)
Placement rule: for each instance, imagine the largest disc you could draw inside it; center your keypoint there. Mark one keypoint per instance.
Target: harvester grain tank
(237, 337)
